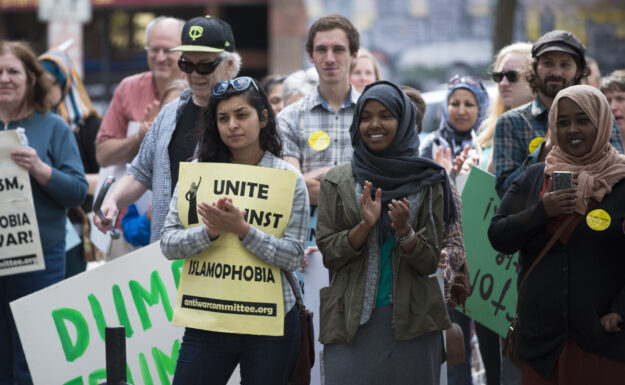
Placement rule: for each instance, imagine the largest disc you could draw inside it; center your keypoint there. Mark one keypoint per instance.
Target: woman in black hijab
(380, 230)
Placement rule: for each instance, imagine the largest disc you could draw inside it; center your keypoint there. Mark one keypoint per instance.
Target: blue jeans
(13, 367)
(210, 357)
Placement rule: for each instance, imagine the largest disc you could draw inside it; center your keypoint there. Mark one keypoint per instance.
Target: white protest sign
(315, 277)
(20, 245)
(62, 327)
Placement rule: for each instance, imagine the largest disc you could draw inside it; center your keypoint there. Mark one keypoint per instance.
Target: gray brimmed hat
(206, 34)
(560, 41)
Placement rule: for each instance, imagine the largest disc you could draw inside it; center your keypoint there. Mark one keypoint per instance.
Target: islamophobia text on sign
(226, 288)
(20, 245)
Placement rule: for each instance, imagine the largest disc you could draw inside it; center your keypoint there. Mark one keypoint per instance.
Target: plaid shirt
(151, 165)
(515, 131)
(453, 244)
(286, 253)
(453, 239)
(310, 114)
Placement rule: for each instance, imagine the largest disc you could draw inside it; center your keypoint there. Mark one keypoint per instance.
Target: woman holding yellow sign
(380, 229)
(239, 128)
(570, 237)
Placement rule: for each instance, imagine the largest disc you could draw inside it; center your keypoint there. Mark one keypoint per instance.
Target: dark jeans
(13, 367)
(488, 341)
(210, 357)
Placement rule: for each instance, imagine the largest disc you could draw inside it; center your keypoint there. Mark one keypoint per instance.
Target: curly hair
(213, 149)
(38, 83)
(529, 72)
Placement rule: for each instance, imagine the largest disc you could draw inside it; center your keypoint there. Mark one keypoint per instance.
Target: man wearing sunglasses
(520, 134)
(208, 57)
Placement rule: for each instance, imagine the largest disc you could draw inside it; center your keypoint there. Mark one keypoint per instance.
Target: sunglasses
(512, 76)
(466, 80)
(238, 84)
(201, 68)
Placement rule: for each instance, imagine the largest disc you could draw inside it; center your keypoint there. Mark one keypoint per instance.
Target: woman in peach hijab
(572, 305)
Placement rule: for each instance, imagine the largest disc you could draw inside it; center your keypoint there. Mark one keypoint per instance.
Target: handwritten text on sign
(62, 327)
(492, 301)
(20, 245)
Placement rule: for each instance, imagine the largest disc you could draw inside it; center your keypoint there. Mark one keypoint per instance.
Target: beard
(552, 90)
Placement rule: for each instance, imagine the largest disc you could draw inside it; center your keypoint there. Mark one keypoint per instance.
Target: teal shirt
(383, 296)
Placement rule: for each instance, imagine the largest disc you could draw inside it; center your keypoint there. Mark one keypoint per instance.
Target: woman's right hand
(370, 209)
(559, 202)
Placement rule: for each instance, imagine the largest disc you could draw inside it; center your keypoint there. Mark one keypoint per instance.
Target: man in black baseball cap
(520, 134)
(206, 34)
(208, 56)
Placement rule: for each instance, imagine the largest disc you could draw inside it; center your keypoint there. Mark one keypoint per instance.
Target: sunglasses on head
(512, 76)
(201, 68)
(238, 84)
(466, 80)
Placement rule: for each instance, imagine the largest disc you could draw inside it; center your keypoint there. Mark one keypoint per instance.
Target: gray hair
(157, 20)
(300, 82)
(236, 62)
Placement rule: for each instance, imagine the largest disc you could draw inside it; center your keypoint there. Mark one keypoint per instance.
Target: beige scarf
(597, 171)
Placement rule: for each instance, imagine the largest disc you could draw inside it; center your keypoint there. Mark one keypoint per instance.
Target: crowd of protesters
(389, 210)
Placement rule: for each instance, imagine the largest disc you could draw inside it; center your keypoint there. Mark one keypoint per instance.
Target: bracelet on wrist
(408, 237)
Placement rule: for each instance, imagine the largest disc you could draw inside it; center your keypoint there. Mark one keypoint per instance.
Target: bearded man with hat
(208, 56)
(521, 134)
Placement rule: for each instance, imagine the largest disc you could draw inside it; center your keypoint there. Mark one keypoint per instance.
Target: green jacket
(418, 305)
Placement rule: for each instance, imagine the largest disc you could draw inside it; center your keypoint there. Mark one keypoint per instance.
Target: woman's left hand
(611, 322)
(27, 158)
(399, 212)
(223, 217)
(460, 159)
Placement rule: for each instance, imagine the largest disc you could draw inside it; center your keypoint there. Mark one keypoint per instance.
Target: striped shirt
(315, 134)
(286, 253)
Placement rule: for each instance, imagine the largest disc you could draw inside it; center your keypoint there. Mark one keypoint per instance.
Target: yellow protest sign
(226, 288)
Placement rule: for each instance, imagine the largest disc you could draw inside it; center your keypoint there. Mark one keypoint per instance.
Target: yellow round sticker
(535, 143)
(598, 220)
(319, 140)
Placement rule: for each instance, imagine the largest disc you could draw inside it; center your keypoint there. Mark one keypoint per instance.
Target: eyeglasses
(512, 76)
(471, 80)
(201, 68)
(154, 50)
(238, 84)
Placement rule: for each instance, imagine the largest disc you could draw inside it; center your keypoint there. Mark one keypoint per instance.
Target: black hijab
(397, 170)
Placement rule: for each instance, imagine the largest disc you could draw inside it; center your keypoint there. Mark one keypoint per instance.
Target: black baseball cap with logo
(560, 41)
(206, 34)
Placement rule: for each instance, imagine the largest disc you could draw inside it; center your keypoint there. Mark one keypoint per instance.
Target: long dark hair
(213, 149)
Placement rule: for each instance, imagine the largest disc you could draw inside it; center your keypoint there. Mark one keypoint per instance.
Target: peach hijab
(594, 173)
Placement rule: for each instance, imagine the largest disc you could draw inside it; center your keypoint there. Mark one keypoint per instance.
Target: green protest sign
(493, 297)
